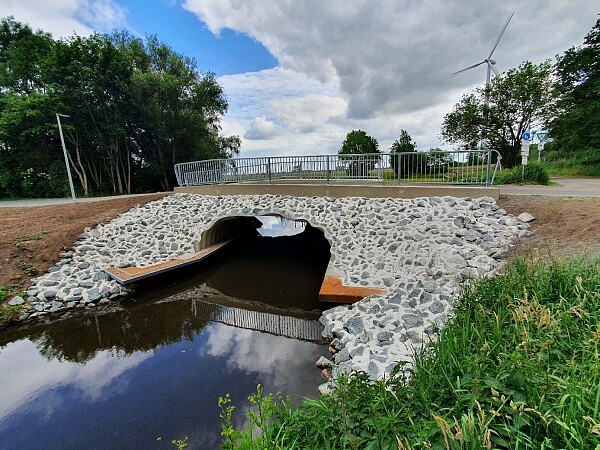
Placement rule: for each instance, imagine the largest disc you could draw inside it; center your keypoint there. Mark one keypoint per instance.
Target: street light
(62, 139)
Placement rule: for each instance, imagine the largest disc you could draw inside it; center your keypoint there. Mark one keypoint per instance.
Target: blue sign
(526, 136)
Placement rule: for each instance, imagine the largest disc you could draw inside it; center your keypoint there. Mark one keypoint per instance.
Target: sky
(299, 75)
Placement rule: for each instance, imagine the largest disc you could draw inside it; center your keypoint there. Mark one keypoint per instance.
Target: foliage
(136, 108)
(502, 111)
(409, 164)
(517, 367)
(574, 122)
(358, 142)
(572, 164)
(532, 173)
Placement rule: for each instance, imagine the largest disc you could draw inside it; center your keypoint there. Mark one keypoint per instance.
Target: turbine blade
(501, 33)
(491, 66)
(468, 68)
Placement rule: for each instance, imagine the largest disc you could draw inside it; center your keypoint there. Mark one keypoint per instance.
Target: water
(151, 370)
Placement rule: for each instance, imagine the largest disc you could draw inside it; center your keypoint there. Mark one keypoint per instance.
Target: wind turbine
(491, 64)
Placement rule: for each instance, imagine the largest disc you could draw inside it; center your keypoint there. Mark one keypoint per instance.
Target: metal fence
(457, 167)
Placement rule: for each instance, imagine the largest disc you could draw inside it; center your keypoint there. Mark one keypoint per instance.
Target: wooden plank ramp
(127, 275)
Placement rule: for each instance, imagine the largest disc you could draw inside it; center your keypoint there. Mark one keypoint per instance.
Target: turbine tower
(491, 64)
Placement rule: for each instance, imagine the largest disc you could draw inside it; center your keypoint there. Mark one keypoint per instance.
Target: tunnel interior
(277, 262)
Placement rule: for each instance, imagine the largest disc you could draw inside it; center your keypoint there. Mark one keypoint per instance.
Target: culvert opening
(272, 263)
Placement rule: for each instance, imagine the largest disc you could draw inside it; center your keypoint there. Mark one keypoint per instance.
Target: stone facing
(416, 249)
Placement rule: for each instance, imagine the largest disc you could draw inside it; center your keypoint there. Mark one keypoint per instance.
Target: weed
(23, 240)
(28, 268)
(180, 443)
(517, 367)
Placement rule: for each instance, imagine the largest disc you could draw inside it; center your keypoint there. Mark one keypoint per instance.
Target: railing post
(328, 170)
(399, 167)
(489, 168)
(269, 169)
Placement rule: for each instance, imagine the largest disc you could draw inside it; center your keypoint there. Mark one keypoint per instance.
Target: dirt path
(32, 237)
(564, 226)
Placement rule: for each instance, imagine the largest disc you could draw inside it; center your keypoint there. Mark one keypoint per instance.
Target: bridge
(404, 175)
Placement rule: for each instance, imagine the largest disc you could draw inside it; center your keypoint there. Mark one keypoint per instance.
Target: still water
(152, 369)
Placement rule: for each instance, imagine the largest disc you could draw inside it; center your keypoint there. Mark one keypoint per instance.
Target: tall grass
(517, 368)
(581, 163)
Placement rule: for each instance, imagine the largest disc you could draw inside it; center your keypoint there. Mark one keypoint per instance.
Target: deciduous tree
(502, 111)
(575, 123)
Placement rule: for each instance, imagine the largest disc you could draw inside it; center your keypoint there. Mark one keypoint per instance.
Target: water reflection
(150, 371)
(117, 398)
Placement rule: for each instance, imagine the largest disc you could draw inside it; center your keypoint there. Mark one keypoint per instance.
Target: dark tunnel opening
(280, 266)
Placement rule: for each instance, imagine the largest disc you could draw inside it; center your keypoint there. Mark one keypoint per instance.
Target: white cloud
(62, 18)
(256, 352)
(29, 375)
(261, 129)
(387, 62)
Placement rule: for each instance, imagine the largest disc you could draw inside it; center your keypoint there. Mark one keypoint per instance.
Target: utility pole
(62, 139)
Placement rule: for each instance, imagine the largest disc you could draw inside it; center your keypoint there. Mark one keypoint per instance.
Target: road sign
(526, 136)
(542, 137)
(524, 160)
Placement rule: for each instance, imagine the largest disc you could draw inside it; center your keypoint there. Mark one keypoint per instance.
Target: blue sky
(228, 53)
(299, 75)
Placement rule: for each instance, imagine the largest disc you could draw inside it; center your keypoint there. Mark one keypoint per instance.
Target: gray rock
(436, 307)
(412, 321)
(525, 217)
(384, 336)
(355, 325)
(373, 370)
(342, 356)
(94, 295)
(324, 363)
(51, 293)
(16, 300)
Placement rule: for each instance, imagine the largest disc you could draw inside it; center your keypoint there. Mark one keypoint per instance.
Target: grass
(584, 163)
(517, 368)
(23, 240)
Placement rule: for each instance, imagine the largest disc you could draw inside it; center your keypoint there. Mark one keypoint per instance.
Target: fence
(457, 167)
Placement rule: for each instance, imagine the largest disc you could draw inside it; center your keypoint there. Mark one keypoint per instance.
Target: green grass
(517, 368)
(584, 163)
(23, 240)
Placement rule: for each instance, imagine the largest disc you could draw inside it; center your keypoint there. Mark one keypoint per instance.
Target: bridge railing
(455, 167)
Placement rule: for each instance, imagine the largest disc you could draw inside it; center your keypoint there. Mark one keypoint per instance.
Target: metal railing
(456, 167)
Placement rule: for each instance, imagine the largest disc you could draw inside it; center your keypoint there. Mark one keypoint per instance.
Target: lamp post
(62, 139)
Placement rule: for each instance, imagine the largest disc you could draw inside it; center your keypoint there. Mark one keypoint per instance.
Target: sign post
(542, 138)
(524, 152)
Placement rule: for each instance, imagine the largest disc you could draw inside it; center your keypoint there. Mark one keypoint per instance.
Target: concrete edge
(342, 190)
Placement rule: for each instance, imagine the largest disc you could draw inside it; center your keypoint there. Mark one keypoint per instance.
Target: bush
(533, 173)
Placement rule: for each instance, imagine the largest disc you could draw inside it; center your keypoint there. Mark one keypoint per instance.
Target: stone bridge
(411, 252)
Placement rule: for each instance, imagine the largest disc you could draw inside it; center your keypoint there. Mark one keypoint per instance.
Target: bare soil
(563, 226)
(31, 238)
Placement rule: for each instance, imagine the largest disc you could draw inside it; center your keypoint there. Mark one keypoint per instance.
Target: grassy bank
(517, 368)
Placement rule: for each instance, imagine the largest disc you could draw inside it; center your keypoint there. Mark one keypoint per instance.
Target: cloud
(256, 352)
(261, 129)
(394, 57)
(62, 18)
(31, 375)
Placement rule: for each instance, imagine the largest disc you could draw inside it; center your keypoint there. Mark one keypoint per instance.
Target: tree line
(135, 108)
(562, 98)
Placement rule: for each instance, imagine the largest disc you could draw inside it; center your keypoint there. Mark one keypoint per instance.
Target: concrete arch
(230, 226)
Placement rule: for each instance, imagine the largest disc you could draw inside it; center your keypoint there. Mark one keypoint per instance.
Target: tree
(136, 108)
(405, 165)
(574, 124)
(358, 142)
(404, 143)
(502, 111)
